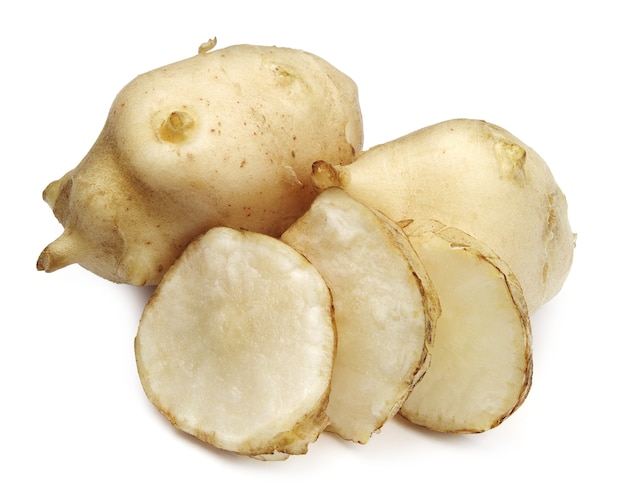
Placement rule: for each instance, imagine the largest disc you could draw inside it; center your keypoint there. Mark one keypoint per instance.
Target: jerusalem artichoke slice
(481, 362)
(385, 309)
(236, 345)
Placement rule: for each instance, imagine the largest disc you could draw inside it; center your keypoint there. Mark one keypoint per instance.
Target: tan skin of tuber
(225, 138)
(93, 208)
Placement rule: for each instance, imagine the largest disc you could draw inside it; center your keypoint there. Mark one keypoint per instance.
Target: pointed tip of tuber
(59, 254)
(207, 46)
(325, 175)
(51, 192)
(48, 261)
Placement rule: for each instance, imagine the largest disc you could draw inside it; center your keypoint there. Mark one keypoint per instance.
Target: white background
(552, 73)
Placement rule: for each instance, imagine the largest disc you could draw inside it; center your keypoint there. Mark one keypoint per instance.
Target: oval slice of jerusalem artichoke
(385, 309)
(224, 138)
(236, 345)
(481, 360)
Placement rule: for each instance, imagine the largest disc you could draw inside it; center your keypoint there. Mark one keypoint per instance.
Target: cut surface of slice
(236, 345)
(481, 364)
(384, 305)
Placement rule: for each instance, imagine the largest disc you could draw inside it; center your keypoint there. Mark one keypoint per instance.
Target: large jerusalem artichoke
(225, 138)
(478, 177)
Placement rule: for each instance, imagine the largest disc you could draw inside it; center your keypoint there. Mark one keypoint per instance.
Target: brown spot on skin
(243, 163)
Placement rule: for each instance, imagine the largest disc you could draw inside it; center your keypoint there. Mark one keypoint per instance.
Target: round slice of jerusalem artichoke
(481, 360)
(236, 345)
(385, 309)
(224, 138)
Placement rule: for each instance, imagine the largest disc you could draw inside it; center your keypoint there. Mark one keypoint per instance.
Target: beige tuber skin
(225, 138)
(476, 177)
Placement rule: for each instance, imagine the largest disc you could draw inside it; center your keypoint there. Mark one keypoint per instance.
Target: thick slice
(481, 364)
(384, 309)
(236, 345)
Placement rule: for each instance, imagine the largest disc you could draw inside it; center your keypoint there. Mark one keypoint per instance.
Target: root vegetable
(236, 345)
(385, 309)
(479, 178)
(225, 138)
(481, 362)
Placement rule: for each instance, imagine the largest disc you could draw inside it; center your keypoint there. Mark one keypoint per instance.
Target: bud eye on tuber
(177, 127)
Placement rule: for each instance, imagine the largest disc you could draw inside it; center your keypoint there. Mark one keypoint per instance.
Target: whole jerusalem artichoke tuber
(225, 138)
